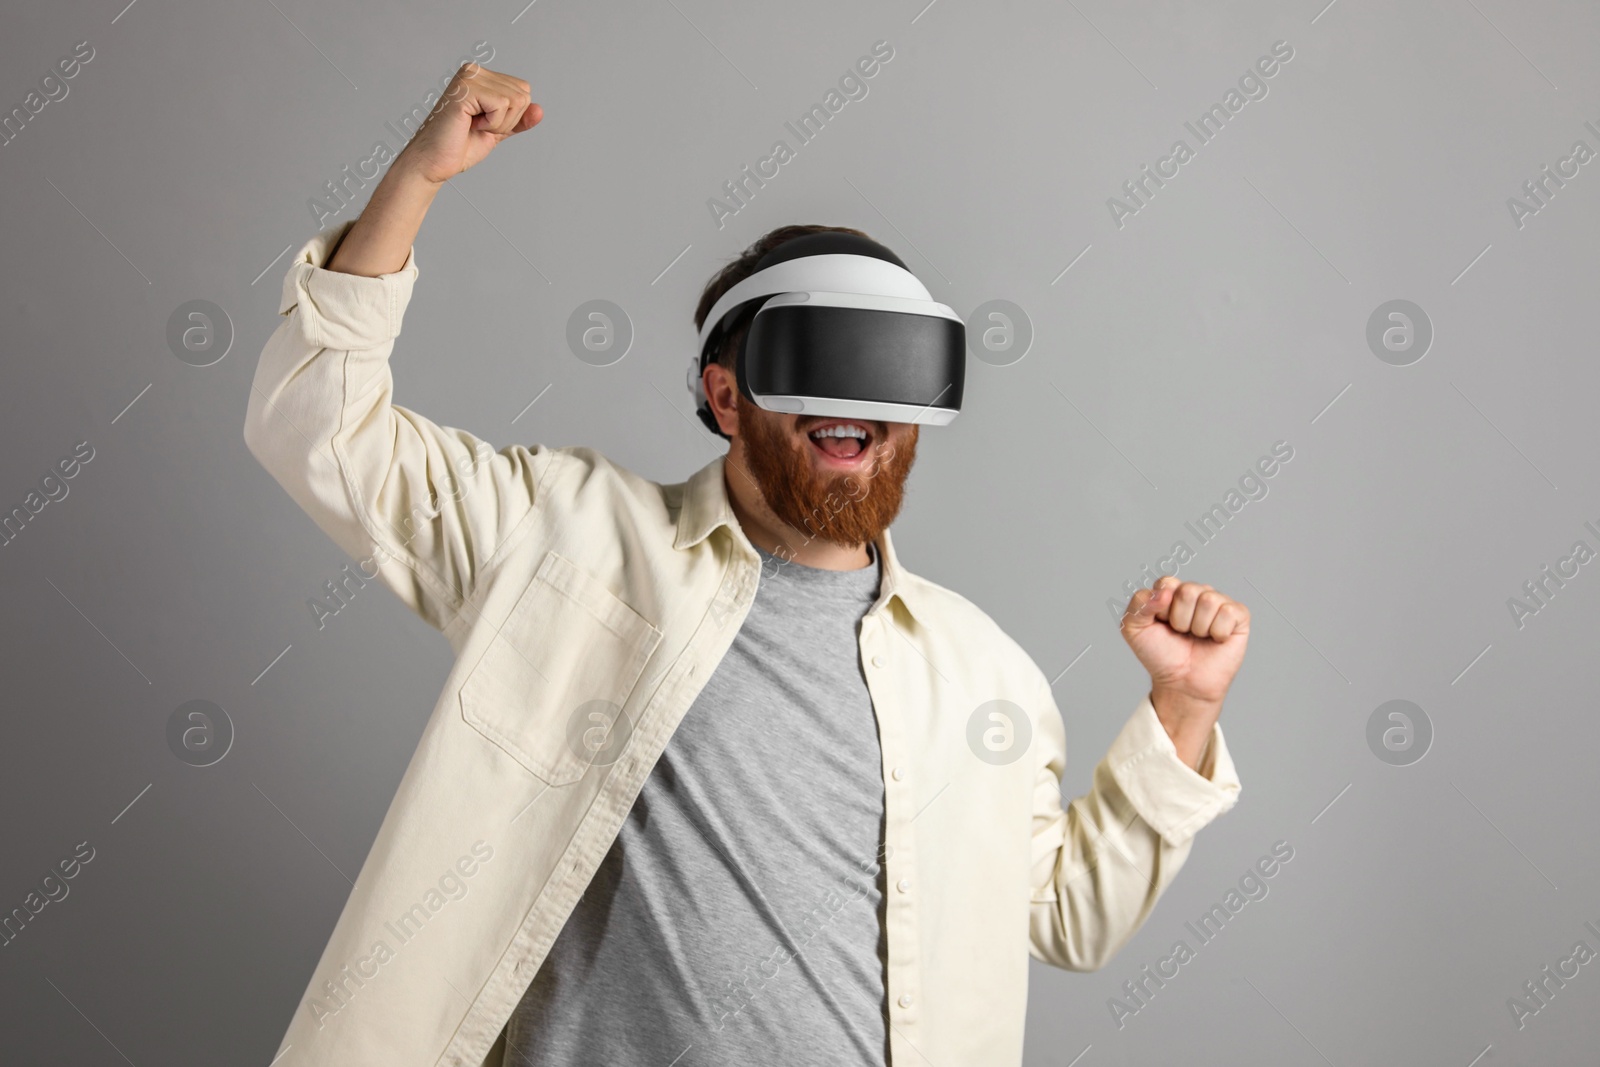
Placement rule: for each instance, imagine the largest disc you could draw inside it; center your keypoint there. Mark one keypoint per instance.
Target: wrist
(405, 181)
(406, 173)
(1187, 720)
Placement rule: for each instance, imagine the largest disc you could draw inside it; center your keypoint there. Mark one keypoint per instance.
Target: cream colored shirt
(567, 584)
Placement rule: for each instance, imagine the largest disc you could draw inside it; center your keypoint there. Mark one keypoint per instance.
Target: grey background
(1228, 314)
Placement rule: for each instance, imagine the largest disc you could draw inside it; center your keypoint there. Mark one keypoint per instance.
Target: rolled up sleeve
(429, 507)
(1169, 795)
(1101, 863)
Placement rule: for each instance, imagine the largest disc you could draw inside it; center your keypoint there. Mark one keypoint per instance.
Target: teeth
(845, 430)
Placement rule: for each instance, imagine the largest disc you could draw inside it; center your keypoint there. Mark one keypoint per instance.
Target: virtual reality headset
(841, 329)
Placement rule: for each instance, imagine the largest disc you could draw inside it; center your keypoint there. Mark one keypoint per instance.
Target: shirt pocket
(567, 642)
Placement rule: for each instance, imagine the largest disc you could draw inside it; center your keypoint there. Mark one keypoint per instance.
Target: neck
(766, 531)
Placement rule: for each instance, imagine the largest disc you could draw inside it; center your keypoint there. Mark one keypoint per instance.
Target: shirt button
(904, 885)
(905, 1000)
(899, 773)
(878, 660)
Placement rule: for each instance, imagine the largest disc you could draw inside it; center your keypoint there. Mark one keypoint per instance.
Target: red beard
(845, 509)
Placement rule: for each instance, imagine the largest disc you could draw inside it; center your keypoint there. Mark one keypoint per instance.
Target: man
(714, 779)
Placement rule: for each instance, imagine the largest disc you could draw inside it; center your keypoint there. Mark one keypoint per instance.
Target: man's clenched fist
(479, 109)
(1191, 639)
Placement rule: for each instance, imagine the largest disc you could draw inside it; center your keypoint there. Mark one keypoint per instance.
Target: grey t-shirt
(736, 918)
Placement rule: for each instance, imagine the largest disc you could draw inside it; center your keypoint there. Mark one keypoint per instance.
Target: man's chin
(843, 502)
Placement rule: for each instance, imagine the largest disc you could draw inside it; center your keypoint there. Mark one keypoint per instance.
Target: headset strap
(833, 273)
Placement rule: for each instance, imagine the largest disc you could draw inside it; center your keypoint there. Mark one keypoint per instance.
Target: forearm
(1104, 880)
(1100, 865)
(381, 239)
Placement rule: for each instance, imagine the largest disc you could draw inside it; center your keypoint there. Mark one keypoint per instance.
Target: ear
(722, 394)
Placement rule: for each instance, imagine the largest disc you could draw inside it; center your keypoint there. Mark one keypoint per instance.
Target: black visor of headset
(841, 329)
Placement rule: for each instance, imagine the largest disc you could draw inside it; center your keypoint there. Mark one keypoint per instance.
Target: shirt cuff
(346, 312)
(1168, 794)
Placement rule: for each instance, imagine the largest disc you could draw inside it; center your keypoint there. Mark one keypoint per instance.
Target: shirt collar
(704, 507)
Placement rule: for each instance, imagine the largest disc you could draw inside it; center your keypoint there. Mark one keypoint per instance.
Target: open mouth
(841, 441)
